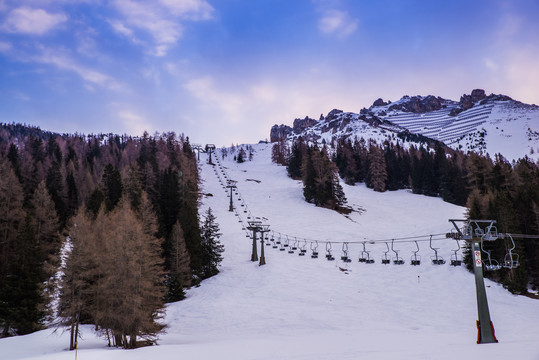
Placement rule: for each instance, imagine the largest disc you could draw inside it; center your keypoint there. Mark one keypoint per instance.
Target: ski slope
(301, 308)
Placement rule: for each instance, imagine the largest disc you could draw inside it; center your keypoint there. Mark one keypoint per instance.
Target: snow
(302, 308)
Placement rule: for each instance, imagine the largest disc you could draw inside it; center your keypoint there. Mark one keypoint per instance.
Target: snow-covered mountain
(480, 123)
(296, 307)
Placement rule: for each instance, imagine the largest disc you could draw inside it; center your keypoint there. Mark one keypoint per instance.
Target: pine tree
(76, 294)
(377, 169)
(180, 270)
(241, 156)
(295, 162)
(112, 186)
(211, 246)
(12, 218)
(22, 304)
(309, 177)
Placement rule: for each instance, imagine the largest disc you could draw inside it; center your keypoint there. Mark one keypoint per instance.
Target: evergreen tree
(21, 302)
(309, 177)
(180, 271)
(95, 201)
(295, 162)
(241, 156)
(377, 169)
(112, 186)
(12, 218)
(55, 186)
(211, 246)
(72, 195)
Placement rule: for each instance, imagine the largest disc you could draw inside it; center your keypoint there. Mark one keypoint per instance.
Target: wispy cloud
(31, 21)
(336, 22)
(206, 91)
(5, 47)
(134, 123)
(90, 76)
(160, 19)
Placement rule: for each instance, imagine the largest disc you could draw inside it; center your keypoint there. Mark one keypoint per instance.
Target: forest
(118, 215)
(493, 189)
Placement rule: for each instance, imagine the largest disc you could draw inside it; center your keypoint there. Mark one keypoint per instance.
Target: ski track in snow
(301, 308)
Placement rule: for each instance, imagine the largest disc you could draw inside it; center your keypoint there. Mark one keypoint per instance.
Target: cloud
(190, 9)
(338, 23)
(92, 77)
(5, 47)
(205, 90)
(134, 123)
(26, 20)
(160, 19)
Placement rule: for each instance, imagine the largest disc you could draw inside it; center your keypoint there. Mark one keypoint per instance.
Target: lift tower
(232, 185)
(475, 234)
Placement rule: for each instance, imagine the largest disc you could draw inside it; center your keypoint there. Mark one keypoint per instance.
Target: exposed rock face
(379, 102)
(478, 95)
(302, 124)
(467, 101)
(419, 105)
(279, 132)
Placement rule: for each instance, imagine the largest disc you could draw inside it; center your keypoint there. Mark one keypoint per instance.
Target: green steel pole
(484, 324)
(231, 207)
(262, 257)
(254, 255)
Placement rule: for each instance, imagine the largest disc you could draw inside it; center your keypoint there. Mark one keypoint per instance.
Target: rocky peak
(467, 101)
(379, 102)
(279, 132)
(302, 124)
(418, 104)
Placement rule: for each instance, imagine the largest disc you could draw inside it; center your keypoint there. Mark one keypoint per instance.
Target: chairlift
(344, 256)
(275, 242)
(436, 260)
(295, 245)
(491, 233)
(314, 250)
(456, 258)
(415, 259)
(491, 264)
(302, 249)
(397, 260)
(365, 256)
(511, 259)
(287, 244)
(282, 248)
(328, 252)
(386, 259)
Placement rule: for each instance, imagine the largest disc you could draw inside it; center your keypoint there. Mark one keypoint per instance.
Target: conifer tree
(180, 270)
(377, 169)
(112, 186)
(12, 218)
(21, 302)
(211, 246)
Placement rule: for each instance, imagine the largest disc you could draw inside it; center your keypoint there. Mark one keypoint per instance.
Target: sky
(225, 71)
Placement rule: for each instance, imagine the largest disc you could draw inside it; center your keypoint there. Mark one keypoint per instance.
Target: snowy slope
(301, 308)
(492, 125)
(507, 127)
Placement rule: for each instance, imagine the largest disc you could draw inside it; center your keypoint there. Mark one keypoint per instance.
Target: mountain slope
(484, 124)
(301, 308)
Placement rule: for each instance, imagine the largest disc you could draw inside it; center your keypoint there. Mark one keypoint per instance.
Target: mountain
(296, 307)
(484, 124)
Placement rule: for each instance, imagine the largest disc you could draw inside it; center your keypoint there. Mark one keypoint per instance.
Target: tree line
(119, 216)
(490, 188)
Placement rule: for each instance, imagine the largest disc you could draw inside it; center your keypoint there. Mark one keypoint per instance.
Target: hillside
(480, 123)
(301, 308)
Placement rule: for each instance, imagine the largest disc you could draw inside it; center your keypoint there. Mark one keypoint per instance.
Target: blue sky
(225, 71)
